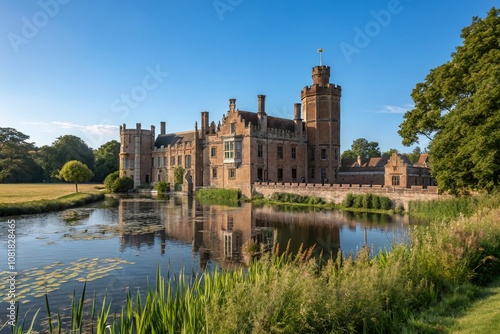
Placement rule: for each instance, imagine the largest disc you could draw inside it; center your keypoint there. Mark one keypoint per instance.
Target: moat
(120, 245)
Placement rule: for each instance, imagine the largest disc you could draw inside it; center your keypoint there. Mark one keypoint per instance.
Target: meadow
(25, 192)
(18, 199)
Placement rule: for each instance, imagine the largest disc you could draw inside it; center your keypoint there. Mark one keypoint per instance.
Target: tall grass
(453, 207)
(385, 293)
(218, 196)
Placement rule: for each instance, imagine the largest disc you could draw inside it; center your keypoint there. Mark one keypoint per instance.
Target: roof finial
(320, 50)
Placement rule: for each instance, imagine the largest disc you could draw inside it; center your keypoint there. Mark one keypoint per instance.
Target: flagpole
(320, 50)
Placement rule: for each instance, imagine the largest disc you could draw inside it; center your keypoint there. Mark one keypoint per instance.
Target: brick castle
(247, 147)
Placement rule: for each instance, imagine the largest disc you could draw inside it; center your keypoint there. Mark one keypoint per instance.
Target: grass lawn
(484, 315)
(25, 192)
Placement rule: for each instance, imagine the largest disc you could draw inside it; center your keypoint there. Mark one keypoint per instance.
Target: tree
(415, 154)
(106, 160)
(64, 149)
(363, 148)
(458, 109)
(16, 158)
(75, 171)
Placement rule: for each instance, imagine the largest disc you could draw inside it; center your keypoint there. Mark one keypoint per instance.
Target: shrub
(385, 203)
(110, 179)
(368, 201)
(162, 187)
(122, 184)
(349, 201)
(358, 201)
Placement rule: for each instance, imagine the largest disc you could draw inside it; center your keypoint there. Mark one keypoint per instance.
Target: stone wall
(337, 192)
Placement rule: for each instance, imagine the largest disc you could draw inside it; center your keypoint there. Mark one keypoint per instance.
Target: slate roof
(174, 138)
(272, 122)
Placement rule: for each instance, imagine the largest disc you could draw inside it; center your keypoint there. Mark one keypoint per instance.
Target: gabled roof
(174, 138)
(423, 160)
(370, 162)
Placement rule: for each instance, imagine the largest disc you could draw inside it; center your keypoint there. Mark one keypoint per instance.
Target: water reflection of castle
(219, 232)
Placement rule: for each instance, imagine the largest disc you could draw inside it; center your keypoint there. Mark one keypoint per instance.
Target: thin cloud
(102, 129)
(396, 109)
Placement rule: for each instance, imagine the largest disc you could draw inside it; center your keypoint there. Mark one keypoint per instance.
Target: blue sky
(85, 67)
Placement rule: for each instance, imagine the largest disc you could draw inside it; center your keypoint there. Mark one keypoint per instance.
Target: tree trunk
(76, 186)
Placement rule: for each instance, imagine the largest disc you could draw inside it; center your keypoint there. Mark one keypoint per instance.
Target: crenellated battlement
(329, 89)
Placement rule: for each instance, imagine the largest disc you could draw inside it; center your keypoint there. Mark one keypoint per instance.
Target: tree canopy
(106, 160)
(458, 108)
(64, 149)
(75, 171)
(363, 148)
(16, 158)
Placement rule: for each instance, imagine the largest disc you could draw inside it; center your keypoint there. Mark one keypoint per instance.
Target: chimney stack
(297, 111)
(232, 105)
(261, 104)
(163, 128)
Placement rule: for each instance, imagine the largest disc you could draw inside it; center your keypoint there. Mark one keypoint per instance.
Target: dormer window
(233, 127)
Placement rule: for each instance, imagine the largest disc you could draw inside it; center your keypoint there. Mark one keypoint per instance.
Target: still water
(120, 246)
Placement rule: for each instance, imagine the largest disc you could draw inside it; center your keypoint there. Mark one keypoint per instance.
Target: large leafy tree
(458, 109)
(75, 171)
(16, 158)
(64, 149)
(106, 160)
(363, 148)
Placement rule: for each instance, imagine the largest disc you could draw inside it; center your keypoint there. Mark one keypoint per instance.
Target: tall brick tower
(321, 112)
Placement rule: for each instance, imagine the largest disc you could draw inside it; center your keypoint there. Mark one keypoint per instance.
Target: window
(179, 160)
(188, 161)
(213, 152)
(229, 150)
(237, 150)
(132, 163)
(230, 222)
(214, 173)
(164, 161)
(125, 162)
(159, 161)
(259, 151)
(312, 173)
(294, 173)
(172, 161)
(233, 127)
(323, 154)
(232, 173)
(294, 152)
(159, 177)
(232, 151)
(280, 174)
(260, 176)
(280, 152)
(395, 180)
(311, 154)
